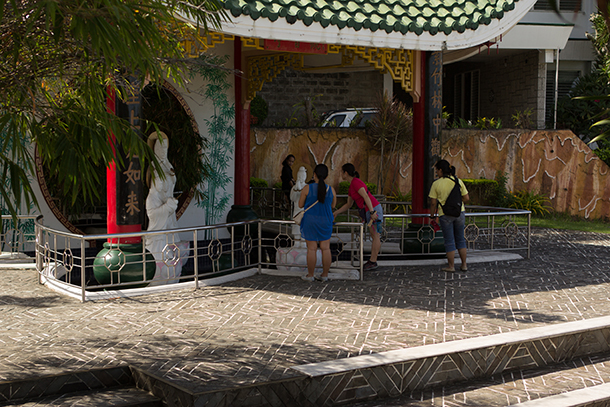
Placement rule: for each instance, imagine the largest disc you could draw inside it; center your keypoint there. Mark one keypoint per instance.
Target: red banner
(294, 46)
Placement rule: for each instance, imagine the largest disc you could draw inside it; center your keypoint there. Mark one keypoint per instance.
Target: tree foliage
(390, 130)
(58, 61)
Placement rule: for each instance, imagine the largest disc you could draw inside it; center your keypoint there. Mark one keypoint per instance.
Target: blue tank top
(317, 223)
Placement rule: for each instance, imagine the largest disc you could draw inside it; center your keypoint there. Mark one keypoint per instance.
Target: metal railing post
(493, 232)
(195, 260)
(361, 252)
(260, 245)
(82, 271)
(37, 251)
(529, 233)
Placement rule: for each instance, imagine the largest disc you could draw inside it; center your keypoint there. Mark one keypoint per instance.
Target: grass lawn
(551, 221)
(566, 222)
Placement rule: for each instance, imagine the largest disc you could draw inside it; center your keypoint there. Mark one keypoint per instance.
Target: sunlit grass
(552, 221)
(567, 222)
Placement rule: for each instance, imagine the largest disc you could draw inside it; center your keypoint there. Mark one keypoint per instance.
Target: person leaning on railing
(369, 209)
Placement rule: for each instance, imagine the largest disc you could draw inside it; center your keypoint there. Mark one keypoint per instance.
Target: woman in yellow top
(452, 227)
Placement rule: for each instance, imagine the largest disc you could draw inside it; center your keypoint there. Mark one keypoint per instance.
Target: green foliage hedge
(344, 188)
(481, 191)
(258, 183)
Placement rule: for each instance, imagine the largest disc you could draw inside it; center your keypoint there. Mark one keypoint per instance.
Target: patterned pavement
(254, 329)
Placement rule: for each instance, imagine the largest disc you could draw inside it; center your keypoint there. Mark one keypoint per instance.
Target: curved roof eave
(280, 29)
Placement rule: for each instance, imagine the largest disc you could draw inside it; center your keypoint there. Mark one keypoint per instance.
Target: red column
(242, 134)
(417, 181)
(111, 189)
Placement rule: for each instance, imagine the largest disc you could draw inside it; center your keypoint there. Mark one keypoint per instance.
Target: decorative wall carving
(555, 163)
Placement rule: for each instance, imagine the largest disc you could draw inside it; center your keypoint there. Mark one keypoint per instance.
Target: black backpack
(453, 204)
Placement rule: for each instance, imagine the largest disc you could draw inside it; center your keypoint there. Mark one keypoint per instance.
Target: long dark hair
(351, 170)
(285, 162)
(321, 172)
(445, 167)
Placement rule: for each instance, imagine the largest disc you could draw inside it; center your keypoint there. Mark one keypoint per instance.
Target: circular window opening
(166, 107)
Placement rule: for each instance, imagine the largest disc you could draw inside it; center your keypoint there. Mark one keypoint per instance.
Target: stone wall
(331, 91)
(555, 163)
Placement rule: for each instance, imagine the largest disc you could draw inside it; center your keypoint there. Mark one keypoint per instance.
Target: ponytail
(351, 170)
(321, 172)
(445, 167)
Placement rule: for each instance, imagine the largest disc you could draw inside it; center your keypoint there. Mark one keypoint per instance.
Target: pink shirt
(354, 187)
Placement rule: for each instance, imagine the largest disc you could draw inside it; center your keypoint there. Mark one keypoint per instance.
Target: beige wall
(555, 163)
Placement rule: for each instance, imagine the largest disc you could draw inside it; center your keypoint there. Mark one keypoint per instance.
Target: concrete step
(495, 370)
(579, 382)
(116, 397)
(595, 396)
(415, 370)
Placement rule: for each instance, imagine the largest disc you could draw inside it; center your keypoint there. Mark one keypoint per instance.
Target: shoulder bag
(299, 216)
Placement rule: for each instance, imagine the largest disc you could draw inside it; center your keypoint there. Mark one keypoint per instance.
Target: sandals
(452, 270)
(311, 279)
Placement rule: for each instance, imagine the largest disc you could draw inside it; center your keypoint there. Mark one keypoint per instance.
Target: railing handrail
(48, 252)
(20, 216)
(143, 233)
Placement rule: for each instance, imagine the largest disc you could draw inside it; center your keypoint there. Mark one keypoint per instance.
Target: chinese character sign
(129, 188)
(434, 112)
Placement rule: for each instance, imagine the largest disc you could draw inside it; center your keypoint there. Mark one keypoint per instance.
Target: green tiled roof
(400, 16)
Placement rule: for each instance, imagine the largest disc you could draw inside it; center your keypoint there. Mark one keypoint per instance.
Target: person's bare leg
(312, 248)
(462, 253)
(326, 257)
(451, 260)
(376, 244)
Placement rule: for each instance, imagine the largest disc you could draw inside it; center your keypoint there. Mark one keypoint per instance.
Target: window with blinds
(467, 95)
(566, 79)
(564, 5)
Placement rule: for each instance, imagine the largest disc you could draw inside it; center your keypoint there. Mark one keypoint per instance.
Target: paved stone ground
(256, 328)
(509, 388)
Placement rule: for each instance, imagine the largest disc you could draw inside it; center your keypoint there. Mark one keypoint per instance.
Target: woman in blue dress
(318, 199)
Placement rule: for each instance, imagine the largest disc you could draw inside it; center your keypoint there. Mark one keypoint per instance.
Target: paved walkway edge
(393, 373)
(464, 345)
(582, 397)
(75, 292)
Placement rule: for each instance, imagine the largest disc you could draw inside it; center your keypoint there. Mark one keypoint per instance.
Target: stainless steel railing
(67, 259)
(17, 237)
(222, 249)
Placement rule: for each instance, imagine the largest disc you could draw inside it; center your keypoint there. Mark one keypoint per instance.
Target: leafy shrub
(459, 123)
(523, 119)
(398, 196)
(259, 109)
(277, 185)
(344, 188)
(501, 197)
(481, 191)
(531, 201)
(579, 114)
(258, 183)
(484, 123)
